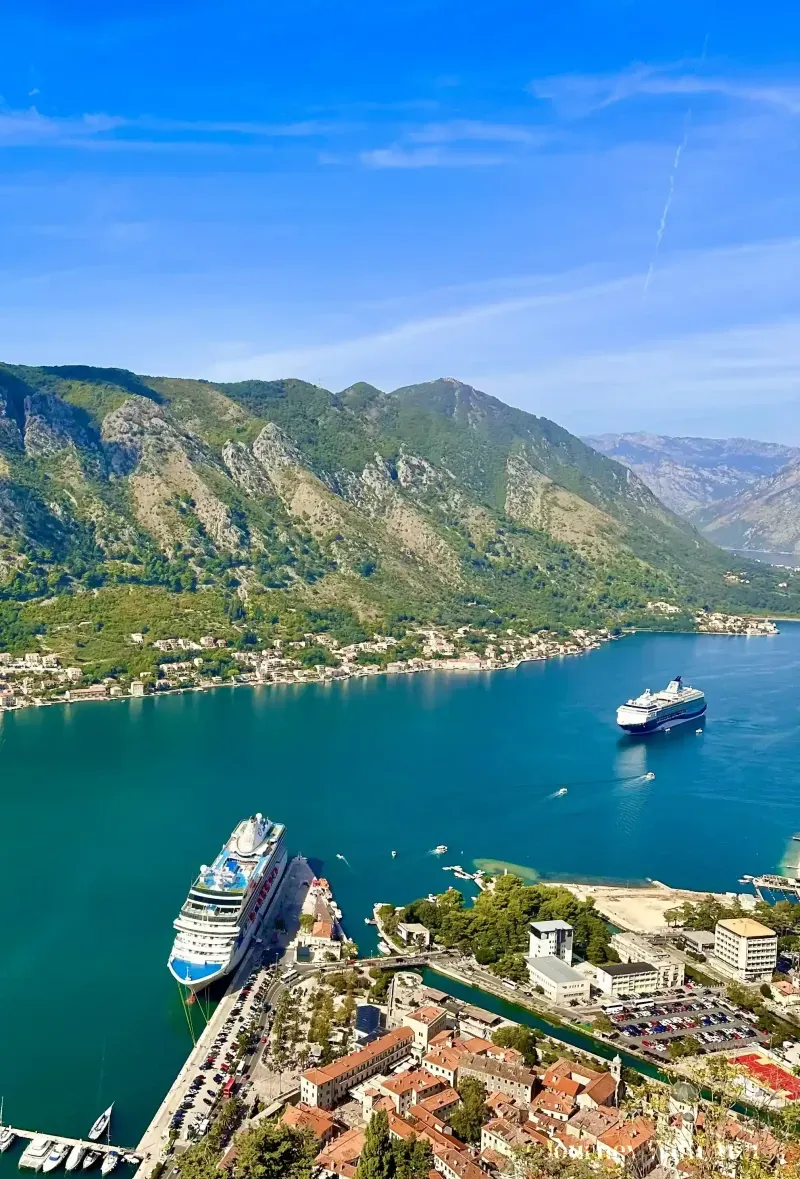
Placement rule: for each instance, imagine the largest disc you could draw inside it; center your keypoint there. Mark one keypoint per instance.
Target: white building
(620, 979)
(550, 939)
(632, 947)
(747, 948)
(559, 982)
(698, 940)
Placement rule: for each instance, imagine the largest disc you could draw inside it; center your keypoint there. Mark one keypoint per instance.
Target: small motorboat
(339, 856)
(102, 1124)
(91, 1157)
(561, 792)
(55, 1157)
(440, 849)
(649, 776)
(76, 1156)
(109, 1162)
(7, 1137)
(698, 732)
(394, 855)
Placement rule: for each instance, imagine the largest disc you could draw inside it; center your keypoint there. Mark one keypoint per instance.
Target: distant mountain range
(129, 501)
(741, 493)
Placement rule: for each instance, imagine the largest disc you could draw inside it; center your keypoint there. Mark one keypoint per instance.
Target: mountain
(690, 475)
(130, 502)
(764, 518)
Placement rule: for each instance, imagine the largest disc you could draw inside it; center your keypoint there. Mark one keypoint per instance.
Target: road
(156, 1136)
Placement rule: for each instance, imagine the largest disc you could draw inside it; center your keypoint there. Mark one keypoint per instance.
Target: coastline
(367, 671)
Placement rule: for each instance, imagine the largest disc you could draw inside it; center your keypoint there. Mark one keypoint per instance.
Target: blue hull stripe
(677, 718)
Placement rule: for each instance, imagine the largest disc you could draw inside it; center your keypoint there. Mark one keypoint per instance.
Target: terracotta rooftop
(592, 1122)
(443, 1057)
(628, 1137)
(418, 1078)
(567, 1068)
(426, 1015)
(441, 1100)
(346, 1064)
(601, 1089)
(458, 1162)
(554, 1103)
(479, 1046)
(322, 929)
(306, 1117)
(341, 1155)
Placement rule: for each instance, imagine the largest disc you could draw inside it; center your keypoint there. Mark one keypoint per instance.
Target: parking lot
(714, 1022)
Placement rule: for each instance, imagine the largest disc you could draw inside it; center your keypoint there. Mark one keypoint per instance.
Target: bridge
(386, 962)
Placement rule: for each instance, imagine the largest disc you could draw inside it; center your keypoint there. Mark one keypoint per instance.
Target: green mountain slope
(251, 501)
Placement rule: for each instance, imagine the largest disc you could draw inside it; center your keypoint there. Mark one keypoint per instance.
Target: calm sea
(107, 810)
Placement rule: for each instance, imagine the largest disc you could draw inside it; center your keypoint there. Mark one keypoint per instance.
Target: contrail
(668, 204)
(671, 191)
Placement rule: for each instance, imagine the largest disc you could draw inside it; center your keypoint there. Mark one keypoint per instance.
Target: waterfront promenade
(156, 1137)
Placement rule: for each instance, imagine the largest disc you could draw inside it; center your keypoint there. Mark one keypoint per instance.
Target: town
(180, 663)
(344, 1056)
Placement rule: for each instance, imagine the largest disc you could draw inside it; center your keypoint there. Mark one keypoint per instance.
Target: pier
(155, 1139)
(772, 888)
(62, 1140)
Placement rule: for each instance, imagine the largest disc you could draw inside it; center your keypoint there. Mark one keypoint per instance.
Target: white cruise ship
(673, 705)
(227, 902)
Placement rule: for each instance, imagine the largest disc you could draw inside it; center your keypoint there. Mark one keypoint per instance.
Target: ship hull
(692, 712)
(196, 976)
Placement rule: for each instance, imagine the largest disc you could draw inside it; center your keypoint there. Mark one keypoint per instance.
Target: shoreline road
(156, 1137)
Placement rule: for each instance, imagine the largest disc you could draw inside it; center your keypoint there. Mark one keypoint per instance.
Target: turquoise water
(107, 810)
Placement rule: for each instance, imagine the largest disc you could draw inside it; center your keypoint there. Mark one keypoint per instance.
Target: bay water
(107, 811)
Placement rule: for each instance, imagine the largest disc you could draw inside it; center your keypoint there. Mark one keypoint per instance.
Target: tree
(766, 990)
(537, 1163)
(519, 1037)
(271, 1150)
(468, 1117)
(377, 1157)
(306, 922)
(685, 1046)
(603, 1024)
(412, 1160)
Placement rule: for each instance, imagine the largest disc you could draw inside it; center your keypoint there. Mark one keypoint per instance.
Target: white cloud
(25, 128)
(398, 156)
(592, 354)
(581, 94)
(475, 131)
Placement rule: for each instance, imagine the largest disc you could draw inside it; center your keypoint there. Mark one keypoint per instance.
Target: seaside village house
(412, 1071)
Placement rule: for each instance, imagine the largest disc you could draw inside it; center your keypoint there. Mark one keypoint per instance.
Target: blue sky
(589, 209)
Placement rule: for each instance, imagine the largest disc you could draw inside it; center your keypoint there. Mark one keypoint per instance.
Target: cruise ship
(227, 902)
(673, 705)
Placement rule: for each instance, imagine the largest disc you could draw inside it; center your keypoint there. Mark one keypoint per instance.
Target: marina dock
(62, 1140)
(156, 1136)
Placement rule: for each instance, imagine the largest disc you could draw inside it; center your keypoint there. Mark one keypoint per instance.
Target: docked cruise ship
(673, 705)
(227, 902)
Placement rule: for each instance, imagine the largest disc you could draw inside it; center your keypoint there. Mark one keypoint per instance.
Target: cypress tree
(377, 1157)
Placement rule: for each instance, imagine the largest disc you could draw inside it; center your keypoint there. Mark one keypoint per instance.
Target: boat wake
(344, 859)
(557, 793)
